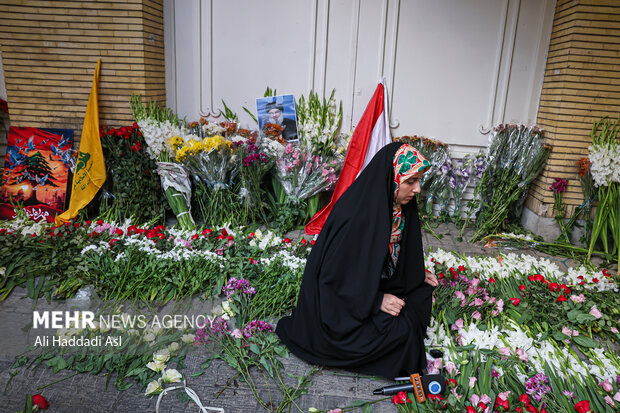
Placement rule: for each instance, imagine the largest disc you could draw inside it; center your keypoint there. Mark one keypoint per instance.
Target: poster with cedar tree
(36, 172)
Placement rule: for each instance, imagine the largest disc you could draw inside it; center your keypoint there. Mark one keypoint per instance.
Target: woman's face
(408, 189)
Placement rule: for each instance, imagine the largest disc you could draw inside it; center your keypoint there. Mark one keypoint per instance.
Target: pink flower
(236, 333)
(504, 395)
(474, 398)
(451, 368)
(500, 305)
(609, 401)
(569, 332)
(577, 299)
(522, 355)
(595, 313)
(504, 351)
(335, 411)
(478, 302)
(617, 396)
(472, 383)
(485, 399)
(459, 295)
(289, 148)
(606, 385)
(476, 315)
(614, 330)
(458, 324)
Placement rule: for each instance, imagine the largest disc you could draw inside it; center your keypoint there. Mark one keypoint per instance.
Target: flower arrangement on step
(515, 157)
(605, 169)
(130, 171)
(214, 163)
(306, 168)
(158, 125)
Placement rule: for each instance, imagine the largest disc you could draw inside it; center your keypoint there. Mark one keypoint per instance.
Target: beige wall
(50, 49)
(581, 85)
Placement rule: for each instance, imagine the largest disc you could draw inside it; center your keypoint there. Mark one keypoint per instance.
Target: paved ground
(88, 393)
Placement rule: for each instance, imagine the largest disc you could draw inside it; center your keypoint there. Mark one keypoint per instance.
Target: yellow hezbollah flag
(90, 168)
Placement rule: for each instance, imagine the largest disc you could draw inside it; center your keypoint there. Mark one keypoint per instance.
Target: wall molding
(496, 75)
(205, 46)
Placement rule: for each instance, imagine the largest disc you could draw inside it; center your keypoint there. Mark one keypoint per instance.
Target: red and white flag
(371, 134)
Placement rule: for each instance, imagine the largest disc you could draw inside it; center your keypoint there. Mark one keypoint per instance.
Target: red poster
(36, 171)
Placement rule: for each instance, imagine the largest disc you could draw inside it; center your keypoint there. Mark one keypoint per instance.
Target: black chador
(337, 321)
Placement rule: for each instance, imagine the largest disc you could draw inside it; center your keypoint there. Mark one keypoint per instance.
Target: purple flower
(216, 327)
(558, 186)
(241, 286)
(537, 386)
(256, 325)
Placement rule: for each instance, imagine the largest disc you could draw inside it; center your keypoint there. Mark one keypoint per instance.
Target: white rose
(156, 366)
(172, 347)
(153, 388)
(171, 376)
(188, 338)
(149, 337)
(161, 356)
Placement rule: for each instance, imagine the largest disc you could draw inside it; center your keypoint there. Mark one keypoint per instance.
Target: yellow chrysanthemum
(176, 142)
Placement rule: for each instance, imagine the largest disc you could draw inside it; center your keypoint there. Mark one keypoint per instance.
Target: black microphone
(394, 389)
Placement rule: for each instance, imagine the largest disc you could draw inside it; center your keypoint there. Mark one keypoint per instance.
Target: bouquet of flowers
(206, 129)
(440, 187)
(515, 157)
(303, 174)
(318, 122)
(588, 191)
(214, 164)
(605, 169)
(158, 125)
(253, 167)
(463, 172)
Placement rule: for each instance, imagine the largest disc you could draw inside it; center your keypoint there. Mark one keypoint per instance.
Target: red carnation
(207, 232)
(561, 298)
(400, 398)
(461, 268)
(492, 280)
(515, 301)
(40, 402)
(524, 398)
(501, 403)
(521, 287)
(583, 406)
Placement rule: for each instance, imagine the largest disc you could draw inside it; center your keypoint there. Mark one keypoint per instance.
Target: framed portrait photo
(277, 118)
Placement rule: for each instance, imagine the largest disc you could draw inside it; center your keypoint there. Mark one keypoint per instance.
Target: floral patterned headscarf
(408, 161)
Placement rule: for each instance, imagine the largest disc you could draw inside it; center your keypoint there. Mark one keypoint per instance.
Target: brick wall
(581, 85)
(50, 50)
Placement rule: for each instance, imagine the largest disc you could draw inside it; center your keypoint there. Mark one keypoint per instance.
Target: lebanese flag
(371, 134)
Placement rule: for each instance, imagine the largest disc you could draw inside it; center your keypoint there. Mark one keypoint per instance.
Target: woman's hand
(391, 304)
(430, 278)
